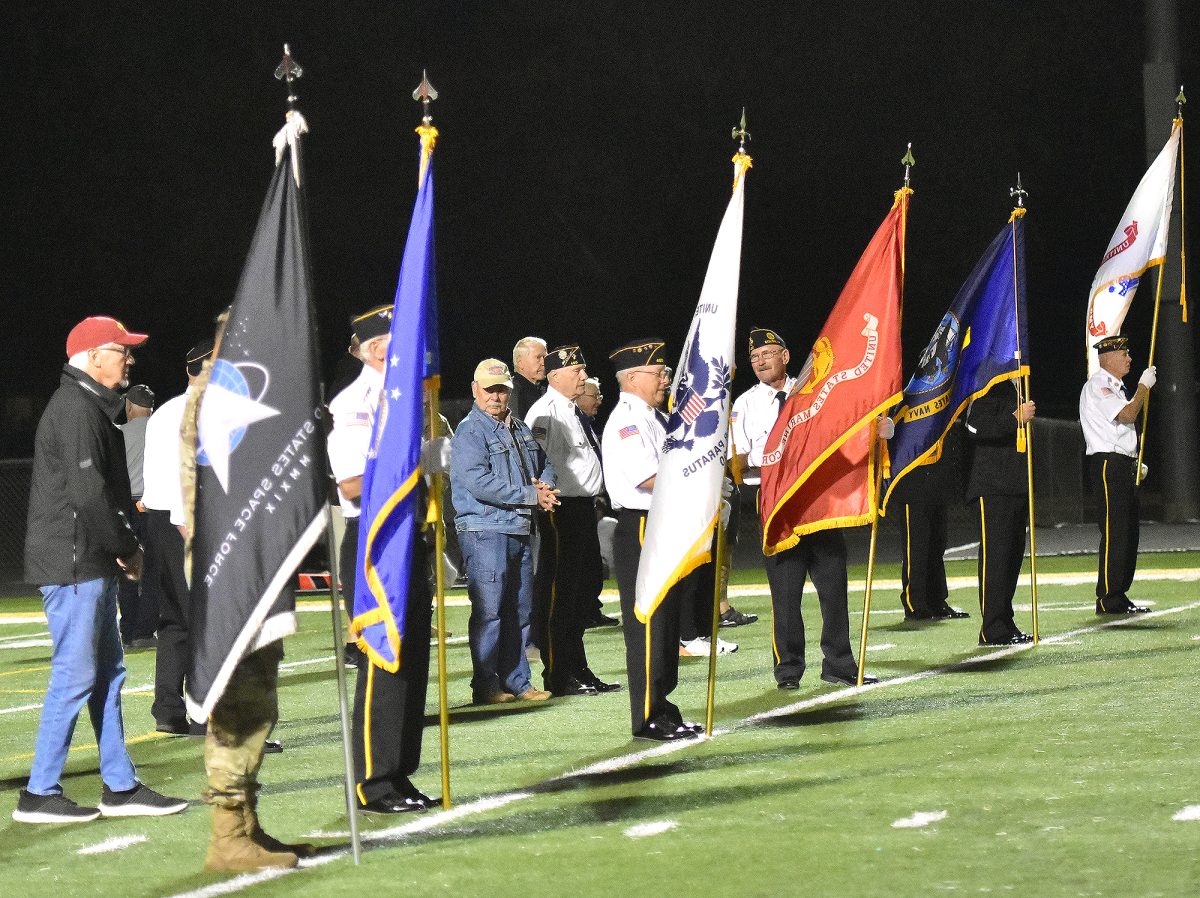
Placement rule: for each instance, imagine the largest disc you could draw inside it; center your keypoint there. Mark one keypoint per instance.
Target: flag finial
(1019, 192)
(908, 162)
(289, 71)
(426, 93)
(1180, 101)
(740, 133)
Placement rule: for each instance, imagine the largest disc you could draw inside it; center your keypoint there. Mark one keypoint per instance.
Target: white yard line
(25, 644)
(116, 843)
(435, 819)
(4, 639)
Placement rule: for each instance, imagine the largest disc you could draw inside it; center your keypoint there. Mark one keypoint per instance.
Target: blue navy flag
(975, 345)
(261, 477)
(391, 513)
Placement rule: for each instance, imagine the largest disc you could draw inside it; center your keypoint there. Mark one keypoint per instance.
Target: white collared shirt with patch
(632, 442)
(162, 459)
(754, 414)
(1100, 402)
(559, 431)
(353, 412)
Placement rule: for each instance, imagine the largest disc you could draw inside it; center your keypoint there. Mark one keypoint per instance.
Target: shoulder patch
(538, 430)
(629, 431)
(1105, 391)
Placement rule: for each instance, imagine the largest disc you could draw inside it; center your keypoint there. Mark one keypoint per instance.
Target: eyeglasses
(765, 354)
(124, 350)
(665, 374)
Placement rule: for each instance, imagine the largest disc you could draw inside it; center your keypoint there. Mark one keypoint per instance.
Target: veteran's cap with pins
(1115, 343)
(197, 354)
(639, 352)
(761, 336)
(374, 323)
(564, 356)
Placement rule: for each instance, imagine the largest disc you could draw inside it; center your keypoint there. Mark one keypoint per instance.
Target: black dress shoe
(660, 731)
(272, 747)
(600, 619)
(789, 684)
(1127, 608)
(947, 613)
(407, 790)
(1017, 638)
(918, 615)
(590, 679)
(572, 686)
(393, 804)
(848, 680)
(697, 728)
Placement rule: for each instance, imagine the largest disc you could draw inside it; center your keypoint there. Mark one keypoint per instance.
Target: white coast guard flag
(1138, 244)
(687, 490)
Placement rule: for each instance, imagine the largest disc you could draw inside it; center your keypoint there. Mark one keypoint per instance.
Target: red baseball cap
(98, 330)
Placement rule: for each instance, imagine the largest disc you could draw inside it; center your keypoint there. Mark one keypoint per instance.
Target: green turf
(1059, 770)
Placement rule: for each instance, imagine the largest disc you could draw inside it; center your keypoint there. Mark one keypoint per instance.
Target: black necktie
(780, 398)
(662, 418)
(586, 423)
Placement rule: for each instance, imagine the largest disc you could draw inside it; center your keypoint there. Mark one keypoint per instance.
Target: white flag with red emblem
(1138, 244)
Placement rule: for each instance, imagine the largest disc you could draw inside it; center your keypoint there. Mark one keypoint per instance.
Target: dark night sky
(582, 170)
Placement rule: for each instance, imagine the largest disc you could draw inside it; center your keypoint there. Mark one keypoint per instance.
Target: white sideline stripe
(19, 708)
(881, 647)
(25, 644)
(430, 821)
(24, 636)
(641, 830)
(919, 819)
(116, 843)
(1191, 812)
(149, 687)
(952, 549)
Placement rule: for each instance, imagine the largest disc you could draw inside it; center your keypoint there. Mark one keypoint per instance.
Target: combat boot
(232, 850)
(270, 843)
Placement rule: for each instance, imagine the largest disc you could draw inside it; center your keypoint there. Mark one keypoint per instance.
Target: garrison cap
(1114, 343)
(375, 323)
(140, 395)
(564, 357)
(639, 352)
(196, 356)
(761, 336)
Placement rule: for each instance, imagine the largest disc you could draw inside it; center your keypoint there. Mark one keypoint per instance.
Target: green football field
(1066, 768)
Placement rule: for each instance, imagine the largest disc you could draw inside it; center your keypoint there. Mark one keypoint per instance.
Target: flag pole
(426, 93)
(289, 72)
(1158, 282)
(1025, 428)
(740, 164)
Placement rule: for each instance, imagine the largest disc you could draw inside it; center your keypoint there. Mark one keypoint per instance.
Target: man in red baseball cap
(78, 543)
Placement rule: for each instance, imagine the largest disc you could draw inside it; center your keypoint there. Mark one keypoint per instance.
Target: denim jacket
(491, 490)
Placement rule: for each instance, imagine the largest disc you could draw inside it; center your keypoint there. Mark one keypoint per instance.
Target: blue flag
(391, 509)
(975, 346)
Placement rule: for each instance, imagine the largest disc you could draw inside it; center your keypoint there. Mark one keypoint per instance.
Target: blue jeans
(87, 666)
(500, 584)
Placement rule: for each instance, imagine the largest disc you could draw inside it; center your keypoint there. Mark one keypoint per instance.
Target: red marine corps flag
(818, 468)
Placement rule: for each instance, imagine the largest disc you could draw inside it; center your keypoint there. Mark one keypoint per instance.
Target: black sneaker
(140, 801)
(731, 617)
(51, 809)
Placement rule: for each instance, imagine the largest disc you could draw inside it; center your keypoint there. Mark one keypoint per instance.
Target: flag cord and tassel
(439, 533)
(1180, 100)
(877, 474)
(335, 605)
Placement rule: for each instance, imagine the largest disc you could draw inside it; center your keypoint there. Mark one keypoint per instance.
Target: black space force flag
(260, 452)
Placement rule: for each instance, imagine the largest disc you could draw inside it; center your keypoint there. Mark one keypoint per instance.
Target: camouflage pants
(239, 726)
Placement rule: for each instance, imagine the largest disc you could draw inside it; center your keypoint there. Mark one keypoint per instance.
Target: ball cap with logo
(94, 332)
(493, 373)
(564, 356)
(1112, 344)
(639, 352)
(761, 336)
(140, 395)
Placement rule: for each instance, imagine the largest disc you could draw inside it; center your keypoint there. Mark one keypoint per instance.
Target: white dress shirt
(1100, 402)
(560, 432)
(754, 414)
(353, 411)
(161, 486)
(632, 442)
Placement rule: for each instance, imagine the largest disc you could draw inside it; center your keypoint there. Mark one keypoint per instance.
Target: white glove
(726, 508)
(726, 487)
(887, 427)
(1144, 472)
(435, 455)
(1149, 377)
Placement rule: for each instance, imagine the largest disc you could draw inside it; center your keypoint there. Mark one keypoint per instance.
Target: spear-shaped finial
(740, 133)
(289, 71)
(1019, 192)
(1180, 101)
(908, 162)
(426, 93)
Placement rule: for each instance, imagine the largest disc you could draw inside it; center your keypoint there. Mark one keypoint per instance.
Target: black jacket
(525, 393)
(77, 526)
(940, 483)
(997, 468)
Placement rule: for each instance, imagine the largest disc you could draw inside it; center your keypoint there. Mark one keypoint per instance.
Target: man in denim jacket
(499, 475)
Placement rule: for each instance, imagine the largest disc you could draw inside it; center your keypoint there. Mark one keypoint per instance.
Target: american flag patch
(629, 431)
(733, 416)
(691, 409)
(1105, 391)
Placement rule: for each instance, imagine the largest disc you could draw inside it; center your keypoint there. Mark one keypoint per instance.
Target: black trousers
(922, 553)
(545, 569)
(572, 535)
(138, 599)
(821, 556)
(389, 708)
(652, 648)
(1113, 479)
(1001, 551)
(163, 567)
(348, 564)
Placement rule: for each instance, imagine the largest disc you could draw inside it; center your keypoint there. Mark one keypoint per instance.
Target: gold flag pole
(1024, 428)
(1158, 281)
(426, 93)
(908, 162)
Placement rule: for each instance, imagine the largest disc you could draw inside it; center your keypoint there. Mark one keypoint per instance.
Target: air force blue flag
(976, 345)
(391, 508)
